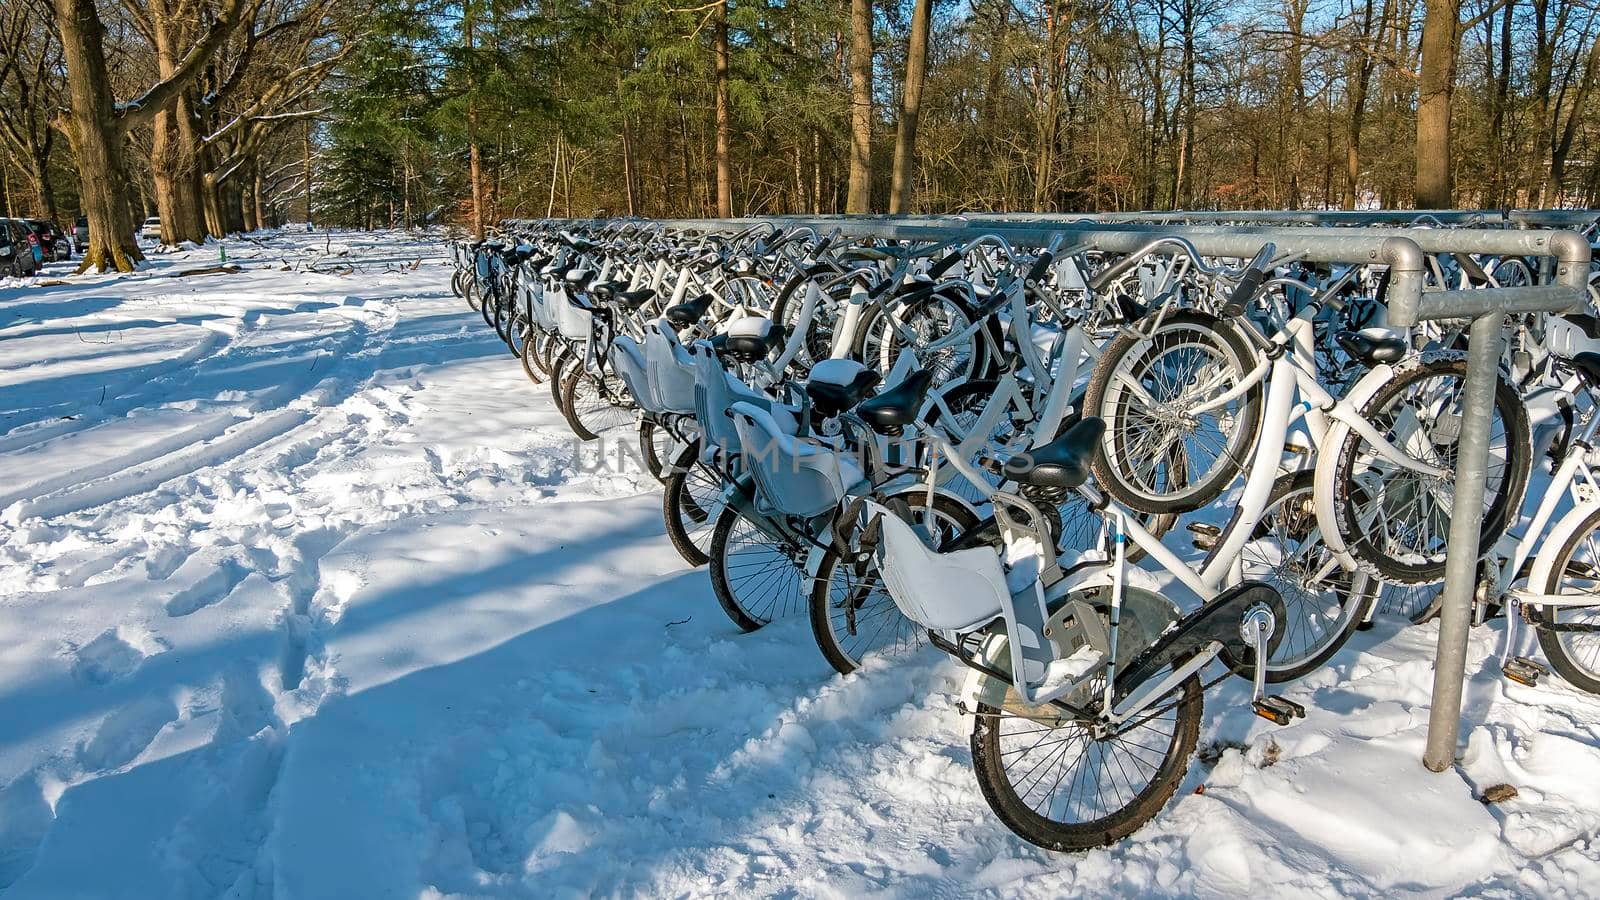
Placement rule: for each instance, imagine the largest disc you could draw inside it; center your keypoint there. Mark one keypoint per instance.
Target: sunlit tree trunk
(1435, 82)
(724, 124)
(859, 197)
(910, 108)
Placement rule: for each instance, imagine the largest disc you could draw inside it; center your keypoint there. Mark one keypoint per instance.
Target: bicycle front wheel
(1570, 635)
(1162, 451)
(1395, 521)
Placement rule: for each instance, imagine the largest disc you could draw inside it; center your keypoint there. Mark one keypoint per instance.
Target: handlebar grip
(1041, 265)
(944, 265)
(1243, 292)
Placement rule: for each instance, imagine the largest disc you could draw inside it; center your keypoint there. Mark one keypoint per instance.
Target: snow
(306, 592)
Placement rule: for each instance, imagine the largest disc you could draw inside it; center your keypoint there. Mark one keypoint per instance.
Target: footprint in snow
(115, 654)
(126, 732)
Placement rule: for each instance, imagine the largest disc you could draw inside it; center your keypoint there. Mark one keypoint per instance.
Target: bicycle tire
(1352, 493)
(989, 764)
(778, 572)
(1359, 596)
(690, 504)
(1183, 493)
(907, 635)
(1584, 673)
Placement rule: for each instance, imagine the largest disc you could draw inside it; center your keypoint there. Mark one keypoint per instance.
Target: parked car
(151, 228)
(80, 233)
(63, 244)
(16, 249)
(45, 234)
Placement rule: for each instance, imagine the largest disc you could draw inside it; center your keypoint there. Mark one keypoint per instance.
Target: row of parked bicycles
(989, 448)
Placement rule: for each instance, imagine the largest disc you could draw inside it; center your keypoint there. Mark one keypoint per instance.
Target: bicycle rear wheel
(756, 577)
(691, 503)
(1323, 604)
(852, 615)
(594, 404)
(1056, 784)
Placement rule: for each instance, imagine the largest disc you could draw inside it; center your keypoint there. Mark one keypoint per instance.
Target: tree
(30, 55)
(98, 126)
(1435, 83)
(724, 114)
(910, 107)
(859, 199)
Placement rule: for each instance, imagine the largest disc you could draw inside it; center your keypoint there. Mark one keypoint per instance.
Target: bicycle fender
(1555, 539)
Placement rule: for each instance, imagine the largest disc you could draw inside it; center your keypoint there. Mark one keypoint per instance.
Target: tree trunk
(43, 190)
(174, 144)
(799, 205)
(172, 168)
(905, 143)
(305, 170)
(255, 193)
(96, 141)
(628, 176)
(1563, 146)
(475, 163)
(859, 197)
(1441, 24)
(816, 173)
(724, 125)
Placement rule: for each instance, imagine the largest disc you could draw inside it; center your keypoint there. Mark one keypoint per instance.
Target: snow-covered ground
(304, 592)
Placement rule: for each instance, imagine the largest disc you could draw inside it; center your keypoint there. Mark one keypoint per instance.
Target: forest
(222, 116)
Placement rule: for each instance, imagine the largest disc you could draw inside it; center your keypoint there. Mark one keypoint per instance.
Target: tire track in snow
(209, 444)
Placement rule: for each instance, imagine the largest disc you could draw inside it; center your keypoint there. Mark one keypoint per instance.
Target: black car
(16, 249)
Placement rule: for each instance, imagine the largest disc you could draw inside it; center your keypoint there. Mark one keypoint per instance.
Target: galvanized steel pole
(1461, 563)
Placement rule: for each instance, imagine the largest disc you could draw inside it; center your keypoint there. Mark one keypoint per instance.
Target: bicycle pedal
(1523, 670)
(1278, 710)
(1205, 535)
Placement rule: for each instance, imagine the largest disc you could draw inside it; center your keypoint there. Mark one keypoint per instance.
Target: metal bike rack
(1478, 218)
(1487, 310)
(1240, 235)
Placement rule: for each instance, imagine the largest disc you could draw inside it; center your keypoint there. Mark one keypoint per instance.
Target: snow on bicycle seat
(1373, 345)
(835, 385)
(579, 277)
(1062, 463)
(898, 406)
(685, 314)
(751, 338)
